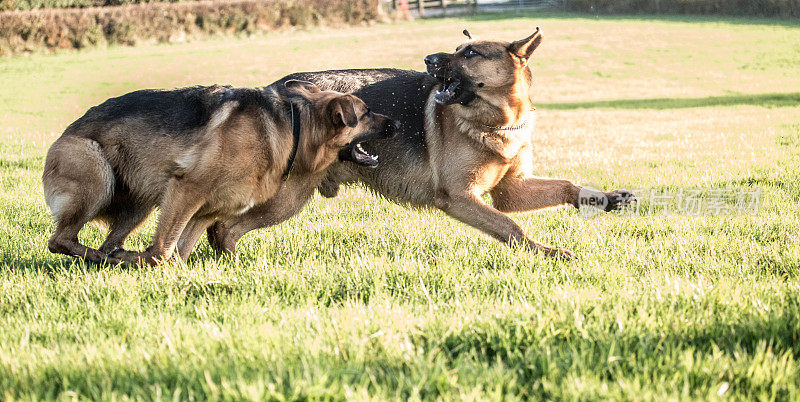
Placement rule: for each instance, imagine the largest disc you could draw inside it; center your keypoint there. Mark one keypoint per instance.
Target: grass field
(360, 298)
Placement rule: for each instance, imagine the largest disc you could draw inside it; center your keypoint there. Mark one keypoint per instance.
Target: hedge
(34, 30)
(37, 4)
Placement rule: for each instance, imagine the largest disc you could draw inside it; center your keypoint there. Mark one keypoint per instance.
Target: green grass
(362, 299)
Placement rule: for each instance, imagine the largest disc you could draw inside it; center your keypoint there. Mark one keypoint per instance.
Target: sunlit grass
(359, 298)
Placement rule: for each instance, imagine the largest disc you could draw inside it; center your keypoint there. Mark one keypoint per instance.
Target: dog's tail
(78, 180)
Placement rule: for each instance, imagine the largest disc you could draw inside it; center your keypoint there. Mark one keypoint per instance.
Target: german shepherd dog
(199, 154)
(466, 130)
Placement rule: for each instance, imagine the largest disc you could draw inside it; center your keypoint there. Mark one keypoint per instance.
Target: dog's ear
(299, 86)
(343, 111)
(524, 48)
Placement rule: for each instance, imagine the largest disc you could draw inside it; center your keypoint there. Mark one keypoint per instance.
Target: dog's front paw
(551, 252)
(130, 258)
(619, 199)
(558, 253)
(121, 253)
(117, 256)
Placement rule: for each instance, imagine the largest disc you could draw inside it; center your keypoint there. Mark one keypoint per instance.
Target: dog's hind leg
(179, 204)
(65, 241)
(78, 183)
(125, 218)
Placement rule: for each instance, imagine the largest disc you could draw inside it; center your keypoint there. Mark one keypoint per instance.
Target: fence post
(421, 5)
(444, 7)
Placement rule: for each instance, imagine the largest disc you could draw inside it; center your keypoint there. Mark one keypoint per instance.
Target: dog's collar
(512, 128)
(295, 138)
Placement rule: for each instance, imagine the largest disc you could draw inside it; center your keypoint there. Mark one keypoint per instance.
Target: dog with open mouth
(200, 154)
(467, 125)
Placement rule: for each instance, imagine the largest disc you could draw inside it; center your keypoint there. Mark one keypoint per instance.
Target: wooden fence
(440, 8)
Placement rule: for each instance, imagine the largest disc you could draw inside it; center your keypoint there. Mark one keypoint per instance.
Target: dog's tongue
(446, 95)
(363, 157)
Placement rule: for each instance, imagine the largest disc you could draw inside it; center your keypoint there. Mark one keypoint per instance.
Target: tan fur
(469, 159)
(120, 168)
(465, 160)
(462, 155)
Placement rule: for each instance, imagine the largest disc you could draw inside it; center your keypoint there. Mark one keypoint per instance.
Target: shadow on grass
(46, 264)
(507, 343)
(767, 100)
(745, 337)
(49, 263)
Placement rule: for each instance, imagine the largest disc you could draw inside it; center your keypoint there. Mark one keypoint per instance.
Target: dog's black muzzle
(438, 65)
(455, 87)
(357, 150)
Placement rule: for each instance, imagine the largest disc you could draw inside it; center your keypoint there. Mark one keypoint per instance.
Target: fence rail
(438, 8)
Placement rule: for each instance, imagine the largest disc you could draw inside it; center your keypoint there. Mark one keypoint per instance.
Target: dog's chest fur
(504, 143)
(483, 157)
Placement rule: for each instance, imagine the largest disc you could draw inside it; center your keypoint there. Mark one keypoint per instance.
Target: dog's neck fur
(309, 159)
(313, 153)
(509, 110)
(484, 117)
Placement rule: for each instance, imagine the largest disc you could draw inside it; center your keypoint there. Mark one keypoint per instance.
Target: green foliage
(64, 29)
(38, 4)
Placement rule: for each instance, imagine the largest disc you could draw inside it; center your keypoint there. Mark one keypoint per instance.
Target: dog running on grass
(467, 130)
(200, 154)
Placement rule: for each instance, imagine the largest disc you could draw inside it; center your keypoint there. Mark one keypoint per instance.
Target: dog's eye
(470, 53)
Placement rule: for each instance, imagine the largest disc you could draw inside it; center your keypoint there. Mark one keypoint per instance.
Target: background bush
(25, 31)
(37, 4)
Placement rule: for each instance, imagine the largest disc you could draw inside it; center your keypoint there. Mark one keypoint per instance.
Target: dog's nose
(432, 59)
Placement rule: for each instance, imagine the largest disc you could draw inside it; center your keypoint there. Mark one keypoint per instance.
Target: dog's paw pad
(122, 254)
(557, 253)
(619, 199)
